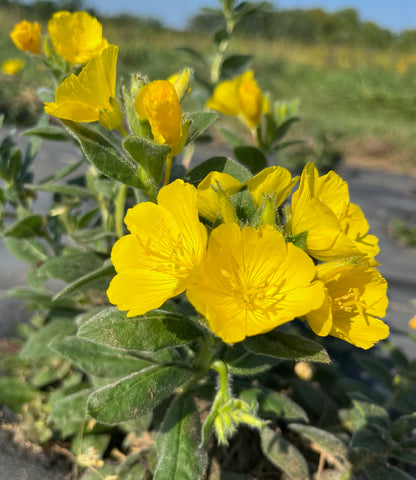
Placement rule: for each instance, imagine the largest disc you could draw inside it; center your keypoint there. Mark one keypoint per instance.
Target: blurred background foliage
(355, 81)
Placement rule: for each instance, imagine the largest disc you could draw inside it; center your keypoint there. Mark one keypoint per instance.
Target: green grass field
(360, 100)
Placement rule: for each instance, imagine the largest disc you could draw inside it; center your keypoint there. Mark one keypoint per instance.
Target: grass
(365, 98)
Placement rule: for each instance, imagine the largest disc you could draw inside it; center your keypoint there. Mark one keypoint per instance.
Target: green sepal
(235, 65)
(136, 394)
(287, 346)
(149, 332)
(180, 456)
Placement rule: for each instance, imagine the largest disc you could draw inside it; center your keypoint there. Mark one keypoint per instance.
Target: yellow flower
(336, 227)
(209, 202)
(158, 260)
(26, 36)
(12, 66)
(89, 97)
(158, 103)
(251, 281)
(76, 37)
(239, 97)
(354, 296)
(275, 182)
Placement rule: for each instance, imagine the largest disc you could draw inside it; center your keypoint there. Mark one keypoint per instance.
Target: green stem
(168, 168)
(119, 209)
(221, 368)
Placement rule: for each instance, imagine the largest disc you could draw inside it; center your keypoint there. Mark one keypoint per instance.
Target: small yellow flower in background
(26, 36)
(251, 281)
(89, 97)
(275, 182)
(241, 97)
(208, 199)
(158, 260)
(355, 297)
(336, 227)
(76, 37)
(12, 66)
(412, 323)
(158, 103)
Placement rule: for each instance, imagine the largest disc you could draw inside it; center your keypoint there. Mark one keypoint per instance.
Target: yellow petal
(274, 181)
(76, 37)
(208, 201)
(250, 281)
(27, 36)
(225, 98)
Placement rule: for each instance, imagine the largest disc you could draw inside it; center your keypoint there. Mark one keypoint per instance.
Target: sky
(394, 15)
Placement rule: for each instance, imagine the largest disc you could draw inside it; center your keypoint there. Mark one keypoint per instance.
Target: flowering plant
(218, 275)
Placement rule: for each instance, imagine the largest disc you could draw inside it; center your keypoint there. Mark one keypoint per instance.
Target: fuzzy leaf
(235, 65)
(284, 455)
(14, 393)
(136, 394)
(99, 360)
(288, 346)
(150, 332)
(27, 249)
(101, 153)
(29, 226)
(218, 164)
(253, 158)
(178, 443)
(200, 121)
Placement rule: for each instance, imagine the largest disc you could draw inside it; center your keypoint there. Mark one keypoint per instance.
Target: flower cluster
(249, 278)
(246, 262)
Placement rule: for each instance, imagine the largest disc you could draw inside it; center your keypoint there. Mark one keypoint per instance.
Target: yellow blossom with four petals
(239, 96)
(355, 295)
(251, 281)
(26, 36)
(160, 256)
(336, 228)
(76, 37)
(89, 97)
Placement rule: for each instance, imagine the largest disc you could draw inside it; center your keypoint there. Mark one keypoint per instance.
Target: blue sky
(394, 15)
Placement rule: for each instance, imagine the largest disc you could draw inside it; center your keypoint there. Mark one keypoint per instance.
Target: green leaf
(27, 249)
(102, 272)
(178, 443)
(376, 471)
(150, 332)
(231, 137)
(335, 449)
(367, 361)
(284, 455)
(275, 405)
(288, 346)
(133, 467)
(235, 65)
(63, 172)
(242, 362)
(252, 157)
(14, 393)
(136, 394)
(98, 360)
(364, 411)
(373, 438)
(151, 156)
(70, 190)
(193, 55)
(200, 121)
(38, 344)
(50, 373)
(48, 132)
(403, 426)
(69, 411)
(101, 153)
(68, 268)
(84, 444)
(29, 226)
(218, 164)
